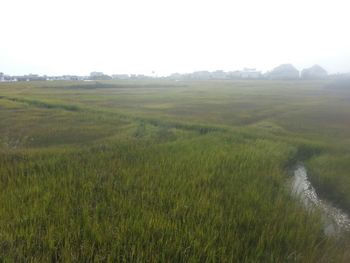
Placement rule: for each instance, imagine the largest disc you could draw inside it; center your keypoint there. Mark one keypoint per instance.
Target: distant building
(219, 74)
(99, 76)
(96, 74)
(234, 74)
(176, 76)
(70, 77)
(30, 77)
(314, 72)
(200, 75)
(283, 72)
(120, 76)
(2, 76)
(250, 73)
(139, 76)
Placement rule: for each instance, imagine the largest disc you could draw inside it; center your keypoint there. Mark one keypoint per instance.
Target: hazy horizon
(138, 37)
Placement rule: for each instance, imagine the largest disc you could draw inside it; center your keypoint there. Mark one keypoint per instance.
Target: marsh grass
(114, 179)
(42, 104)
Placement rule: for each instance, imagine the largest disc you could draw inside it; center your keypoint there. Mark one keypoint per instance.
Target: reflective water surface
(335, 220)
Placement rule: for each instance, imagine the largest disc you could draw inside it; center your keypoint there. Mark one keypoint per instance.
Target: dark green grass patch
(43, 104)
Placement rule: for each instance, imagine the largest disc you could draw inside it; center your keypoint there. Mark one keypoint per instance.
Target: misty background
(77, 37)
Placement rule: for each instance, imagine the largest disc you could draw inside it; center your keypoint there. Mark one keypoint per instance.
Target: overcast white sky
(131, 36)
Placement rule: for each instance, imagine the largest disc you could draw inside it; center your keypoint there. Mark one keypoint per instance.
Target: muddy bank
(335, 220)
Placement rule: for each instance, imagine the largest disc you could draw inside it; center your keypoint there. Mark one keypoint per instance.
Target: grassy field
(161, 171)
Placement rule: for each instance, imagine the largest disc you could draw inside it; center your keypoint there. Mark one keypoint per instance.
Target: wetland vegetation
(159, 171)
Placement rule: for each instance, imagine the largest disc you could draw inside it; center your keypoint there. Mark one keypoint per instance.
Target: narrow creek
(335, 220)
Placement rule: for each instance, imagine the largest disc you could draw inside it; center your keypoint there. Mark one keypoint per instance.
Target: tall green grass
(113, 183)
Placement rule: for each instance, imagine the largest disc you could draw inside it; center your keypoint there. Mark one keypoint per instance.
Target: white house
(284, 71)
(250, 73)
(315, 72)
